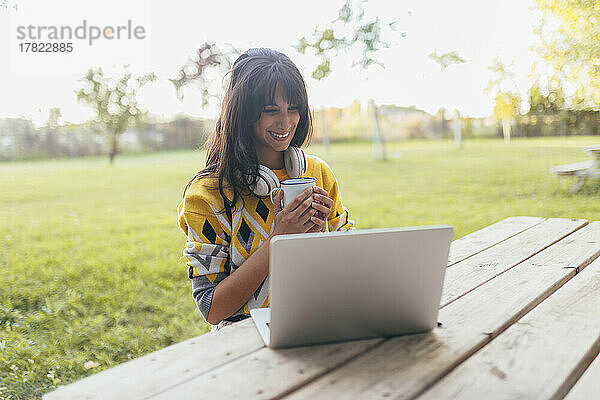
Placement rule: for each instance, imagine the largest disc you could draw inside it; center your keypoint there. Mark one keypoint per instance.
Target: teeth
(278, 135)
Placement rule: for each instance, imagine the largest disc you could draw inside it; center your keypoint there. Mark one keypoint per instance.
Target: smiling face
(275, 129)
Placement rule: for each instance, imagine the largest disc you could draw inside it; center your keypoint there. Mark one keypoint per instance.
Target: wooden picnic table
(519, 318)
(581, 170)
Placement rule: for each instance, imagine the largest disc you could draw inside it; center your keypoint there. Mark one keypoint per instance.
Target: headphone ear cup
(261, 188)
(267, 181)
(304, 161)
(295, 162)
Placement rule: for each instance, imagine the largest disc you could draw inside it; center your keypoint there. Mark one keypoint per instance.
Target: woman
(226, 212)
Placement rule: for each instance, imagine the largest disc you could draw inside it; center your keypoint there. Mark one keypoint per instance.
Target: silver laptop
(328, 287)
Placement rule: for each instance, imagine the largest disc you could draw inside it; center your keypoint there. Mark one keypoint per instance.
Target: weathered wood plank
(474, 271)
(268, 373)
(539, 357)
(485, 238)
(588, 386)
(144, 376)
(405, 366)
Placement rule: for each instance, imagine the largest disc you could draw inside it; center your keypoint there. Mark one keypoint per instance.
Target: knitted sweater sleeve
(339, 218)
(206, 249)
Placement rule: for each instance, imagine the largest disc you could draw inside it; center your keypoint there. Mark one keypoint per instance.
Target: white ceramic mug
(292, 188)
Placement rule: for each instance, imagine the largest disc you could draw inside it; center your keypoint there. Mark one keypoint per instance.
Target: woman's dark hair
(231, 155)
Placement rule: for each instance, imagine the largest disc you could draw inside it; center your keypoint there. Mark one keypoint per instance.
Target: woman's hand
(322, 205)
(296, 216)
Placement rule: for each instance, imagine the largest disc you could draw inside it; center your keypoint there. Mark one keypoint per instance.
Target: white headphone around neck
(295, 165)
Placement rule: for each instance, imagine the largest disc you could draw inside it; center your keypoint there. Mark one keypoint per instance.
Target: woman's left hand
(322, 205)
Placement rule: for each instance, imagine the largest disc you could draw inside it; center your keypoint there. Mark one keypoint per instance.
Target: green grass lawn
(90, 254)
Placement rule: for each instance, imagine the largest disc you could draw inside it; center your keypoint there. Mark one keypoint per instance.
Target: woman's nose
(284, 120)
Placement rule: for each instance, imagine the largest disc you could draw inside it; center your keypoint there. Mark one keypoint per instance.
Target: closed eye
(270, 110)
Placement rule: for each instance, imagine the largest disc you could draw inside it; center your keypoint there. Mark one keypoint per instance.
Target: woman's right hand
(296, 216)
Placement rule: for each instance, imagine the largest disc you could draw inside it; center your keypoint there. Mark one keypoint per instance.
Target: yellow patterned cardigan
(216, 247)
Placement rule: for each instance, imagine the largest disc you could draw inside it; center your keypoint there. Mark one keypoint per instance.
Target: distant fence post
(378, 140)
(506, 130)
(458, 130)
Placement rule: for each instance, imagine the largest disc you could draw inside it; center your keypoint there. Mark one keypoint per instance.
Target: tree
(8, 4)
(114, 100)
(507, 101)
(54, 116)
(444, 61)
(548, 113)
(506, 107)
(550, 102)
(569, 35)
(351, 30)
(208, 57)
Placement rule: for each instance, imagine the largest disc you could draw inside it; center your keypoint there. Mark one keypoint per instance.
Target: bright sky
(479, 30)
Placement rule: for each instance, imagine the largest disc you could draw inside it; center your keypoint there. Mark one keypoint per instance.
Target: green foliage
(447, 59)
(549, 114)
(91, 256)
(569, 36)
(503, 88)
(506, 105)
(350, 30)
(546, 103)
(114, 100)
(322, 70)
(208, 57)
(507, 101)
(8, 5)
